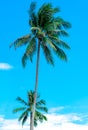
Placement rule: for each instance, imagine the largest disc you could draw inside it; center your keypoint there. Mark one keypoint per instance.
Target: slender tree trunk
(36, 86)
(31, 121)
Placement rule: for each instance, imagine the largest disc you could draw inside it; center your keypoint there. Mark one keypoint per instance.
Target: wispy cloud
(56, 109)
(55, 122)
(5, 66)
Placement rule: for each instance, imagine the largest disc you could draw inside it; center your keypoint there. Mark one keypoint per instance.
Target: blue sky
(66, 84)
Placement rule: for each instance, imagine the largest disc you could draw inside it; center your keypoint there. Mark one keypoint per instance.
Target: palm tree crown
(27, 108)
(46, 29)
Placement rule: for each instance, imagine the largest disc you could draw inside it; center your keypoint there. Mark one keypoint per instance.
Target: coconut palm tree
(46, 30)
(27, 108)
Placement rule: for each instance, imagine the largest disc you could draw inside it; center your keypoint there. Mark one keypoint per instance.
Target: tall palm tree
(27, 108)
(46, 30)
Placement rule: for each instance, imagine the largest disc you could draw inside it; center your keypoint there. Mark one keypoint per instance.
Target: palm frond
(46, 13)
(62, 33)
(23, 115)
(24, 59)
(22, 101)
(62, 23)
(59, 42)
(25, 118)
(19, 109)
(32, 8)
(47, 54)
(53, 37)
(66, 25)
(32, 15)
(42, 108)
(38, 96)
(40, 102)
(21, 41)
(49, 27)
(49, 42)
(35, 122)
(31, 48)
(60, 53)
(63, 44)
(40, 117)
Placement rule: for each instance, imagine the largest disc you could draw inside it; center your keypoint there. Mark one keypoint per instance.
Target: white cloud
(55, 122)
(5, 66)
(56, 109)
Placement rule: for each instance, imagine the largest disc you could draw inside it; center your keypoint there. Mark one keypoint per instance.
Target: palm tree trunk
(31, 121)
(36, 86)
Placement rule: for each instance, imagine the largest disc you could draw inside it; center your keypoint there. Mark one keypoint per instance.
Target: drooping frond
(30, 50)
(48, 54)
(42, 108)
(61, 32)
(21, 101)
(60, 53)
(24, 59)
(21, 41)
(35, 122)
(66, 25)
(59, 42)
(25, 118)
(19, 109)
(40, 117)
(49, 42)
(23, 115)
(63, 44)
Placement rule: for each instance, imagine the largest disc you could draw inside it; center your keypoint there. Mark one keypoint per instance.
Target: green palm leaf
(21, 41)
(30, 50)
(25, 118)
(47, 41)
(42, 108)
(21, 101)
(60, 53)
(23, 115)
(59, 42)
(62, 33)
(45, 14)
(19, 109)
(35, 122)
(40, 102)
(66, 25)
(62, 23)
(39, 116)
(48, 54)
(63, 44)
(32, 18)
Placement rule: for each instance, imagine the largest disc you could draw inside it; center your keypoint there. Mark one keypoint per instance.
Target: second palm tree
(27, 108)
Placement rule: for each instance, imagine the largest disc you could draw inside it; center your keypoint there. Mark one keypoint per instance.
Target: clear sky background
(65, 86)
